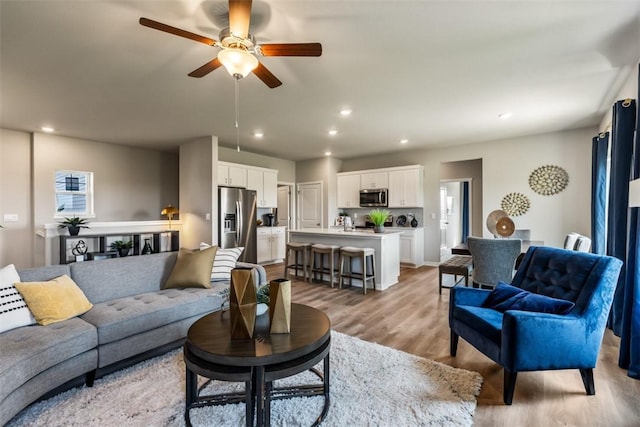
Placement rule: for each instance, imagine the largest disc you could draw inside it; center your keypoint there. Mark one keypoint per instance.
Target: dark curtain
(630, 339)
(624, 117)
(599, 151)
(465, 211)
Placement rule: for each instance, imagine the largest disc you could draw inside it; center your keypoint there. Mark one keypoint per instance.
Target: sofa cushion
(506, 297)
(225, 261)
(54, 300)
(30, 350)
(110, 279)
(192, 269)
(132, 315)
(486, 321)
(14, 311)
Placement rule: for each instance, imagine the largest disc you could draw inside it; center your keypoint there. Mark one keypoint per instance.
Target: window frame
(88, 194)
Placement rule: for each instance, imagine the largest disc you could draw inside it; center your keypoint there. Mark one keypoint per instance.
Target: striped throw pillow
(224, 262)
(14, 312)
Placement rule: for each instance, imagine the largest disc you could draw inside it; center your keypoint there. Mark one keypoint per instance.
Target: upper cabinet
(405, 187)
(265, 183)
(374, 179)
(348, 190)
(232, 175)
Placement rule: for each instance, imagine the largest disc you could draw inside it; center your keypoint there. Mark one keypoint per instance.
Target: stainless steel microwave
(374, 197)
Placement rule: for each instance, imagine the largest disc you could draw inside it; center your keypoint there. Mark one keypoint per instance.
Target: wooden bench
(458, 265)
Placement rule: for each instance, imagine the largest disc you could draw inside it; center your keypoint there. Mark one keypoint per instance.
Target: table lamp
(169, 211)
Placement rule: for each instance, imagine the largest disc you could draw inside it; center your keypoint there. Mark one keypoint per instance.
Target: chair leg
(311, 267)
(509, 386)
(454, 344)
(364, 274)
(587, 380)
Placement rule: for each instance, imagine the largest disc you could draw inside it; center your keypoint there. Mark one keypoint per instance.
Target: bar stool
(322, 250)
(364, 254)
(297, 248)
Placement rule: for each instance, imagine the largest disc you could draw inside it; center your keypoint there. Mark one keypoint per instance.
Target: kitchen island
(386, 245)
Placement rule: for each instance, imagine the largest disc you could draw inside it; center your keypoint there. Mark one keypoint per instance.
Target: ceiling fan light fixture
(238, 62)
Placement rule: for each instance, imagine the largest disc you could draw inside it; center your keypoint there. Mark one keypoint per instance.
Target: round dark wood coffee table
(209, 351)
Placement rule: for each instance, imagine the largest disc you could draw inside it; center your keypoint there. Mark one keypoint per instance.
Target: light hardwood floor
(412, 317)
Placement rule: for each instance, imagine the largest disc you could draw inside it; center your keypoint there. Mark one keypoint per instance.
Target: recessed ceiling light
(327, 153)
(48, 129)
(258, 134)
(333, 132)
(345, 112)
(505, 116)
(404, 141)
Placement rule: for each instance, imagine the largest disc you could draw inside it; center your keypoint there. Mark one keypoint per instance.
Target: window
(74, 193)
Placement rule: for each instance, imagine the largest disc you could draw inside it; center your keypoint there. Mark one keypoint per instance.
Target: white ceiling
(434, 72)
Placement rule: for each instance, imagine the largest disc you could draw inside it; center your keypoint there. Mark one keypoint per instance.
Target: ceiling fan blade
(176, 31)
(239, 17)
(206, 68)
(291, 49)
(266, 76)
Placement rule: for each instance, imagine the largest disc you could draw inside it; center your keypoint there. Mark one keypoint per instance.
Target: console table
(103, 248)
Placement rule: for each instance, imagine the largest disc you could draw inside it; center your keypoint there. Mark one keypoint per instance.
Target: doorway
(310, 205)
(286, 215)
(455, 214)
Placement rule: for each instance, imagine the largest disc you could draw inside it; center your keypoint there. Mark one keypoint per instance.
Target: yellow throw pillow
(54, 301)
(192, 269)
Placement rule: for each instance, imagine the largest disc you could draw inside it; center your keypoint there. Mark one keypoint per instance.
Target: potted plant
(378, 218)
(122, 247)
(73, 224)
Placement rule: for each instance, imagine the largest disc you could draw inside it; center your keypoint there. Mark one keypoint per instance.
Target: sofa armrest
(530, 339)
(261, 272)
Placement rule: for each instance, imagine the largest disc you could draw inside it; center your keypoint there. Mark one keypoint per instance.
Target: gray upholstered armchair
(493, 259)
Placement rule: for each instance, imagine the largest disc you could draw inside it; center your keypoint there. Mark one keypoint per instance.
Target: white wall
(199, 192)
(16, 238)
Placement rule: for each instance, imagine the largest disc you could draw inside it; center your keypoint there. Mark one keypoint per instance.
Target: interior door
(310, 205)
(284, 208)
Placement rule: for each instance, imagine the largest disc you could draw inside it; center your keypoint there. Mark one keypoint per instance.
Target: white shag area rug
(371, 385)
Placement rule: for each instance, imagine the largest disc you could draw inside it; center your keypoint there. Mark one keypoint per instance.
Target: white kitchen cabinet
(271, 244)
(405, 188)
(265, 183)
(377, 179)
(412, 246)
(348, 190)
(232, 175)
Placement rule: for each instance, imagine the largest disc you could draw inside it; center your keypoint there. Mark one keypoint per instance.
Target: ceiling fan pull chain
(237, 114)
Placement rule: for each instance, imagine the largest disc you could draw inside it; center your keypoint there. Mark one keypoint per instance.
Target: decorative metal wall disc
(548, 180)
(515, 204)
(505, 227)
(492, 220)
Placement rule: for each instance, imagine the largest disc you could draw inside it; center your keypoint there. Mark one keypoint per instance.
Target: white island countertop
(386, 246)
(338, 231)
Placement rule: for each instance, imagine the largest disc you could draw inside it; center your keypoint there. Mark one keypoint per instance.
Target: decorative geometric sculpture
(548, 180)
(515, 204)
(242, 303)
(280, 306)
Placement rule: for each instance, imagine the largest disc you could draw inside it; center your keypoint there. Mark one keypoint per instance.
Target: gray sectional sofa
(132, 319)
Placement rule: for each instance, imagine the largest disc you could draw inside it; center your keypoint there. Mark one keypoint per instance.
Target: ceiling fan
(238, 48)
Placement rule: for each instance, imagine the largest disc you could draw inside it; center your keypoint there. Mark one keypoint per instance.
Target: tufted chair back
(566, 274)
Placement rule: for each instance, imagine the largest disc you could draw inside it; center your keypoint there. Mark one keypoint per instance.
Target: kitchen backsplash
(358, 215)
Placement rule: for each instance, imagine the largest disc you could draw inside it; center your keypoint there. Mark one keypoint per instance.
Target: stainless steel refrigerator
(237, 221)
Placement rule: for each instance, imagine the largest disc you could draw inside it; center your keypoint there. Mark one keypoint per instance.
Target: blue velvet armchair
(532, 341)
